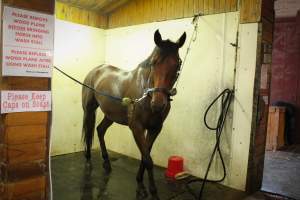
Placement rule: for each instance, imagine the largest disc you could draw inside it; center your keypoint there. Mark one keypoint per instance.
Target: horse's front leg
(140, 139)
(150, 138)
(145, 144)
(141, 191)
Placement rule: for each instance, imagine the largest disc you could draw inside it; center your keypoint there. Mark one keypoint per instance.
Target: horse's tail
(89, 105)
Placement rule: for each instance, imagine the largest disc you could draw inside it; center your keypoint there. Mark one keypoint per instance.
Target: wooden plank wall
(250, 11)
(80, 16)
(24, 137)
(144, 11)
(102, 6)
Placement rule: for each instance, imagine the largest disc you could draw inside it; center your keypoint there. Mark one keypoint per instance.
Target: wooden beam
(46, 6)
(26, 189)
(26, 118)
(250, 11)
(22, 146)
(25, 134)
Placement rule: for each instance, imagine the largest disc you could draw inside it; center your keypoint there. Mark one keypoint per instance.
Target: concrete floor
(282, 172)
(73, 179)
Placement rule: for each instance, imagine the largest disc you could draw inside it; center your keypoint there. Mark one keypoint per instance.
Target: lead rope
(193, 39)
(119, 99)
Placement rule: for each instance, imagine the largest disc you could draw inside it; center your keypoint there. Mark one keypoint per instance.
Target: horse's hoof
(106, 166)
(141, 193)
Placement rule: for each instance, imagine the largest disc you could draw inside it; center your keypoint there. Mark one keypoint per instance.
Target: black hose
(226, 96)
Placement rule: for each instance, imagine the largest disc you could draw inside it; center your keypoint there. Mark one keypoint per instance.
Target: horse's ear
(157, 38)
(181, 40)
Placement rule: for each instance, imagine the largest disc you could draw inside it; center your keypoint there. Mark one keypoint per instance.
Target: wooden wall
(24, 137)
(46, 6)
(250, 11)
(144, 11)
(101, 6)
(80, 16)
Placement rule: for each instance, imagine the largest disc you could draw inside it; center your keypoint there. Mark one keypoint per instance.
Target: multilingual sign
(28, 39)
(25, 101)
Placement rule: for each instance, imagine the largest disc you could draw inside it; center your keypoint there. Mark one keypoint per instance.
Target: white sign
(25, 101)
(28, 39)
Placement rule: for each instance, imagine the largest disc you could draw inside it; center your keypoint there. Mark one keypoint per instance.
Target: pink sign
(25, 101)
(28, 39)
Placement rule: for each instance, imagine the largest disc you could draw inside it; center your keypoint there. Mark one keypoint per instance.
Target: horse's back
(111, 81)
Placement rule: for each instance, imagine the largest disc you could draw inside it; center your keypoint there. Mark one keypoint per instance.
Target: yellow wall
(208, 70)
(77, 49)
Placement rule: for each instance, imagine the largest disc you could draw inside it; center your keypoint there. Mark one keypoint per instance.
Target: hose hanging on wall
(226, 96)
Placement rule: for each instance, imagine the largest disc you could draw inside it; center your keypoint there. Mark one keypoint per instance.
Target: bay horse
(150, 86)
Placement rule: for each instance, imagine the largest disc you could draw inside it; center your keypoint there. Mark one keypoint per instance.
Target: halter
(150, 90)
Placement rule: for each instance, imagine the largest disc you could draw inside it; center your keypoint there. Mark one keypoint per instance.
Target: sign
(28, 39)
(25, 101)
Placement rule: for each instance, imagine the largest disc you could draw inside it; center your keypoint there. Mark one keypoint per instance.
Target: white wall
(243, 104)
(77, 49)
(208, 70)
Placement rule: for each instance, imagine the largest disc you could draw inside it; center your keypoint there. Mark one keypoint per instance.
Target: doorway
(282, 156)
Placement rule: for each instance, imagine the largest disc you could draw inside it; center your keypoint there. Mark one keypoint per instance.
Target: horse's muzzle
(158, 107)
(160, 98)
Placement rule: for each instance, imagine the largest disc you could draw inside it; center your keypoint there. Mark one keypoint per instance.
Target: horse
(150, 87)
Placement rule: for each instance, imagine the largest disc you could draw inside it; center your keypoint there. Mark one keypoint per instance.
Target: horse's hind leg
(88, 127)
(101, 129)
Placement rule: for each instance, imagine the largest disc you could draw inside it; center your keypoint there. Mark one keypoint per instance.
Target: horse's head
(165, 70)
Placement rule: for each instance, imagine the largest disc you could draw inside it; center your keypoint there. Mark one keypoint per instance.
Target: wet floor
(73, 179)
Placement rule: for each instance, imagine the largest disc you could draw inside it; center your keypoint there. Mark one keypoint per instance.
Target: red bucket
(175, 166)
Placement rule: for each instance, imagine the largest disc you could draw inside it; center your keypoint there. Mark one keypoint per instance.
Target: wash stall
(222, 50)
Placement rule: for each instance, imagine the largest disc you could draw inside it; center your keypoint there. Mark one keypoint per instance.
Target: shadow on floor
(74, 179)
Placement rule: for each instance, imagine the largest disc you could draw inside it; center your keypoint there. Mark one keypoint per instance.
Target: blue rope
(91, 88)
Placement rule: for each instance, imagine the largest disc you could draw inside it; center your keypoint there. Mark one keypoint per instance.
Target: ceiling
(101, 6)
